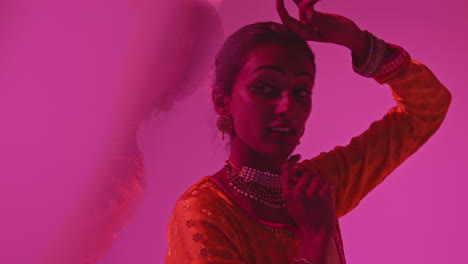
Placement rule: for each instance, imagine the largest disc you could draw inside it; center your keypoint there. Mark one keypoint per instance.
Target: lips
(282, 129)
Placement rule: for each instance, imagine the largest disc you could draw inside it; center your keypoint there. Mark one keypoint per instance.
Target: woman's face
(271, 99)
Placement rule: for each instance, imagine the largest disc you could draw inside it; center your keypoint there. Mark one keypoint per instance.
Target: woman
(264, 207)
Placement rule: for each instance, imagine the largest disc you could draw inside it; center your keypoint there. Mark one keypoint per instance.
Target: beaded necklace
(261, 186)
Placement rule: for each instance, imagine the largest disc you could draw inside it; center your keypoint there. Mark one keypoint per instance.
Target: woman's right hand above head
(308, 198)
(324, 27)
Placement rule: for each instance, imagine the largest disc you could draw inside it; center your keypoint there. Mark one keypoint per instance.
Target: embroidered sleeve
(422, 103)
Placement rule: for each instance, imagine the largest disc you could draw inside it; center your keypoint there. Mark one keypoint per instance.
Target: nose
(284, 103)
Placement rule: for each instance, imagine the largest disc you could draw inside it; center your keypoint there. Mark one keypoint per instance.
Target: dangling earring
(224, 125)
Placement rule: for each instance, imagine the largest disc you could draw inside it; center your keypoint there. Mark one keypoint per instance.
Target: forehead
(289, 59)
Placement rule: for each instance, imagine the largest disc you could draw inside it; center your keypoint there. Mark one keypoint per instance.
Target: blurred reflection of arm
(169, 55)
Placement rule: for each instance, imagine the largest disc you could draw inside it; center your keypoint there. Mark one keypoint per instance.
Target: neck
(242, 155)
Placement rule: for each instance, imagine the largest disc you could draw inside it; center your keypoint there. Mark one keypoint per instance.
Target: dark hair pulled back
(234, 51)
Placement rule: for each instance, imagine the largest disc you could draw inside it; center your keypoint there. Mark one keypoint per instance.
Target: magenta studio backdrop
(61, 63)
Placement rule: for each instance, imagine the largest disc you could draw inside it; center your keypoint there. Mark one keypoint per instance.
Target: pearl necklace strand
(261, 186)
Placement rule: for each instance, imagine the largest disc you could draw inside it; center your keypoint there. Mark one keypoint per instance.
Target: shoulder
(202, 200)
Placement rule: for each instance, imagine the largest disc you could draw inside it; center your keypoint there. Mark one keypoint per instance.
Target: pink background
(59, 68)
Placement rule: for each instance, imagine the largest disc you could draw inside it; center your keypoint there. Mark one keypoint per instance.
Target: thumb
(287, 174)
(294, 158)
(291, 161)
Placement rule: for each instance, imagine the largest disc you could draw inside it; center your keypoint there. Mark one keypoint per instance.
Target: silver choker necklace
(261, 186)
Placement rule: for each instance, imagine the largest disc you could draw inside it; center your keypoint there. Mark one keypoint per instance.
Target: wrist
(314, 246)
(369, 64)
(360, 46)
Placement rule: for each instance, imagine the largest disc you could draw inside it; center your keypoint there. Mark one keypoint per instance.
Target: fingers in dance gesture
(322, 27)
(308, 197)
(309, 202)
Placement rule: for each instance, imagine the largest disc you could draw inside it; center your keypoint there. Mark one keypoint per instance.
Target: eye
(303, 92)
(263, 88)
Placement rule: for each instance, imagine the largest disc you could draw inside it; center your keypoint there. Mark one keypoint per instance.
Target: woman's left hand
(323, 27)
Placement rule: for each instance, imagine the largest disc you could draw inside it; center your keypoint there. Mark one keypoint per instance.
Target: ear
(221, 102)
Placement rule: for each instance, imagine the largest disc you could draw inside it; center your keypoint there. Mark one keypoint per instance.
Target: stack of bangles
(383, 60)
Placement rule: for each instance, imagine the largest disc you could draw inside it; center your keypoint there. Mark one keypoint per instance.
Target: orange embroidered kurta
(207, 226)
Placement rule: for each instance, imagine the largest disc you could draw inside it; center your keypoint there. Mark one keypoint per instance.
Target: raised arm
(422, 103)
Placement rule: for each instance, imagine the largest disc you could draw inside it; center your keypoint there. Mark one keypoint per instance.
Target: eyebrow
(280, 70)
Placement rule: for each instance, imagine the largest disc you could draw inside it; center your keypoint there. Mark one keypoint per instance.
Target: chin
(280, 151)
